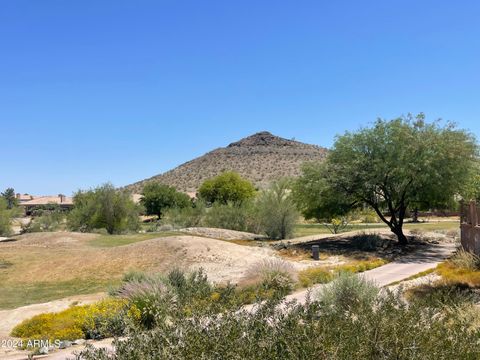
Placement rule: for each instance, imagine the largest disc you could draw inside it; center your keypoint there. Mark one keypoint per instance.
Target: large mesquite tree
(398, 165)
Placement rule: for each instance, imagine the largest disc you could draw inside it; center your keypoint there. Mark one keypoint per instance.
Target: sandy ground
(222, 233)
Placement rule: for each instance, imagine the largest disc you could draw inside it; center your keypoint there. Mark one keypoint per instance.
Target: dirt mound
(63, 257)
(221, 260)
(223, 234)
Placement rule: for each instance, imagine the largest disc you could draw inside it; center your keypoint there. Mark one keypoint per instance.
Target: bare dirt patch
(222, 234)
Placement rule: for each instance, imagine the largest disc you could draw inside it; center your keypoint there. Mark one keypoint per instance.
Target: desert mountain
(261, 158)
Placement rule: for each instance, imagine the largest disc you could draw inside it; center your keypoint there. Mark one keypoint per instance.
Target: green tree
(314, 196)
(471, 189)
(398, 165)
(103, 208)
(228, 187)
(10, 198)
(156, 198)
(5, 218)
(277, 212)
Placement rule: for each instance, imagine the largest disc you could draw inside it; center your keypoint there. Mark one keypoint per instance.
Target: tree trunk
(415, 215)
(402, 239)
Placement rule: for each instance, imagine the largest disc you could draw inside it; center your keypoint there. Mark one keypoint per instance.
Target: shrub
(440, 293)
(337, 225)
(273, 278)
(367, 242)
(103, 319)
(325, 274)
(466, 260)
(277, 212)
(348, 292)
(233, 216)
(315, 275)
(48, 221)
(103, 208)
(185, 217)
(150, 297)
(5, 218)
(156, 297)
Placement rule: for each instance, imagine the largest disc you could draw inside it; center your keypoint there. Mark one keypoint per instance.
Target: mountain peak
(263, 138)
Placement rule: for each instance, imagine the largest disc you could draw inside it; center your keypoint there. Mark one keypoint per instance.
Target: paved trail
(401, 269)
(398, 270)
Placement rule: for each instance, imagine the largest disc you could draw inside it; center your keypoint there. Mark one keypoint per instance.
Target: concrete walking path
(401, 269)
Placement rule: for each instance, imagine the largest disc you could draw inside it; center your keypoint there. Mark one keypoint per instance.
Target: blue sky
(96, 91)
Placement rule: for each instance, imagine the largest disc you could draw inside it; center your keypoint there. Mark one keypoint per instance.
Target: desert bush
(337, 225)
(150, 298)
(441, 293)
(273, 278)
(103, 319)
(185, 217)
(48, 221)
(325, 274)
(367, 242)
(134, 275)
(233, 216)
(5, 218)
(156, 297)
(463, 259)
(348, 292)
(317, 330)
(315, 275)
(277, 212)
(104, 208)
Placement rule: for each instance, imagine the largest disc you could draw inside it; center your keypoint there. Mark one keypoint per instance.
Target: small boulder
(65, 344)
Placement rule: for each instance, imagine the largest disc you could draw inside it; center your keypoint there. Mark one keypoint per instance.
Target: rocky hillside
(261, 158)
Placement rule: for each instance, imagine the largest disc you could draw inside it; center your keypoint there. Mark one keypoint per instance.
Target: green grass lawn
(16, 295)
(119, 240)
(433, 226)
(314, 229)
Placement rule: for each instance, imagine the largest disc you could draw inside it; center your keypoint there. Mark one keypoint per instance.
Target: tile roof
(45, 200)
